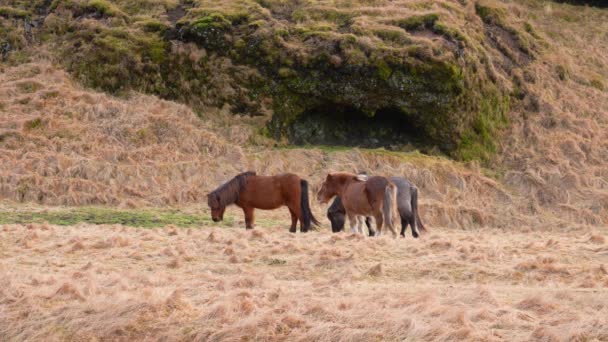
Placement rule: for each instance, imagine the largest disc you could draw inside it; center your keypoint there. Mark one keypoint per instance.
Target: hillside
(445, 71)
(117, 117)
(546, 156)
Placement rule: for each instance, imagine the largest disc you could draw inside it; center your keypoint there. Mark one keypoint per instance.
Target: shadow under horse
(407, 204)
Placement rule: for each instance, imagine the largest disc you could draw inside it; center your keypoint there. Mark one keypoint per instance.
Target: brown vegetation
(517, 249)
(69, 146)
(230, 284)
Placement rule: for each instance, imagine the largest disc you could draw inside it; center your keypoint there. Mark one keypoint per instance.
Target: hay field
(121, 283)
(517, 248)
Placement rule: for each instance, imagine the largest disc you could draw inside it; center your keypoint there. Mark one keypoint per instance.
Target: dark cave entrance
(594, 3)
(340, 125)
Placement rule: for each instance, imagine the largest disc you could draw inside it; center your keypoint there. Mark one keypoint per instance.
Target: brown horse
(373, 196)
(249, 191)
(407, 203)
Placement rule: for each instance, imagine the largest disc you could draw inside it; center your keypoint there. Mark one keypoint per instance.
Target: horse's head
(337, 220)
(217, 209)
(329, 189)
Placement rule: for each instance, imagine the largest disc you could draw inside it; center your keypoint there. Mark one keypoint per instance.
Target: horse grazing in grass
(250, 191)
(337, 216)
(407, 203)
(362, 197)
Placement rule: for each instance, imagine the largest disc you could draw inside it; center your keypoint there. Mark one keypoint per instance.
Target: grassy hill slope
(446, 71)
(540, 132)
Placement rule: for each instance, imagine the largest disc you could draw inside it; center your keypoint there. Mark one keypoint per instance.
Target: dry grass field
(88, 282)
(105, 235)
(120, 283)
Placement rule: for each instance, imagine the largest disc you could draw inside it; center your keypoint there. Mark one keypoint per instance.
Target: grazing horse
(375, 197)
(337, 215)
(407, 203)
(250, 191)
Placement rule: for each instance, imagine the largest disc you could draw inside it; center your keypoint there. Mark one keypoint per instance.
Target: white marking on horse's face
(361, 178)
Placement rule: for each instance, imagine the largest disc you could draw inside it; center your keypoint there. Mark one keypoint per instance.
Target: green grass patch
(597, 84)
(490, 14)
(479, 142)
(33, 124)
(10, 12)
(412, 156)
(29, 87)
(147, 218)
(105, 8)
(418, 22)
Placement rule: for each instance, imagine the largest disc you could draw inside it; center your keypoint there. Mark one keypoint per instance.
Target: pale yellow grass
(61, 144)
(207, 283)
(557, 157)
(64, 145)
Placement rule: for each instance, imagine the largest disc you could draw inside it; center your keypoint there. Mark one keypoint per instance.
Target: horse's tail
(307, 217)
(389, 207)
(418, 222)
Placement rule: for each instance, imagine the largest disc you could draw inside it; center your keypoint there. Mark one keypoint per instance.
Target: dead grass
(88, 148)
(520, 255)
(78, 147)
(556, 155)
(184, 285)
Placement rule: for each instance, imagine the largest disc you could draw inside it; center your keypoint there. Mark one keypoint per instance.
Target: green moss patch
(115, 60)
(418, 22)
(95, 215)
(490, 14)
(10, 12)
(295, 58)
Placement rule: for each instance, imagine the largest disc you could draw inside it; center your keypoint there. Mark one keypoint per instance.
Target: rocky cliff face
(438, 75)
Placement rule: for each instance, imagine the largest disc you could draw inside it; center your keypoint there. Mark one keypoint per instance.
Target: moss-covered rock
(209, 30)
(115, 60)
(306, 60)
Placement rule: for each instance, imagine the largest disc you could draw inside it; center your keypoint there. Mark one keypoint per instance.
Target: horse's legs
(248, 217)
(392, 228)
(379, 222)
(360, 220)
(404, 223)
(352, 220)
(294, 221)
(413, 225)
(368, 223)
(295, 209)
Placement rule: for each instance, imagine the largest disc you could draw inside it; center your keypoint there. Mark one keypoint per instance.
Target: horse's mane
(228, 192)
(344, 176)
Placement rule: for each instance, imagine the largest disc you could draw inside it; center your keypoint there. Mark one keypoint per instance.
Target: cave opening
(594, 3)
(344, 125)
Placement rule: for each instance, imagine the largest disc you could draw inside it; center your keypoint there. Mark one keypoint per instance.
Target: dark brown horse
(361, 197)
(249, 191)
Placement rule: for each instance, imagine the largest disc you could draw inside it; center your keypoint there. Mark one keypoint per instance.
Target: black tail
(419, 224)
(307, 215)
